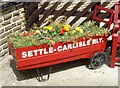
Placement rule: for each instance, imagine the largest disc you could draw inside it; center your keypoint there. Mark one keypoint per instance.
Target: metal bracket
(40, 76)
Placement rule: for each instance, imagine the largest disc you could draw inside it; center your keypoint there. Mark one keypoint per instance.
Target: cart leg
(40, 76)
(114, 50)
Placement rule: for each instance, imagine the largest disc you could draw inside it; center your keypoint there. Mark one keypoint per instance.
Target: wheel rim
(97, 60)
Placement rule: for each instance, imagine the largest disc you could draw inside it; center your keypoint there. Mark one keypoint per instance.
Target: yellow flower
(38, 32)
(73, 31)
(48, 27)
(54, 33)
(54, 29)
(67, 26)
(58, 24)
(79, 29)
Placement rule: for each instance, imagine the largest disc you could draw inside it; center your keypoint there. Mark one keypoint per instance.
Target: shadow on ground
(32, 73)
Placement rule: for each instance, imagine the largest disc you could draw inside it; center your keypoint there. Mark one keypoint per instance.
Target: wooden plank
(89, 17)
(36, 13)
(61, 11)
(64, 14)
(74, 9)
(50, 11)
(98, 3)
(26, 8)
(26, 4)
(31, 7)
(83, 12)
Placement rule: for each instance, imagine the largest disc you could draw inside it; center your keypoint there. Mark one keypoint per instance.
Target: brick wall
(11, 19)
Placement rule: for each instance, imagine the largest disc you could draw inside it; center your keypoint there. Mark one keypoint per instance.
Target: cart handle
(116, 21)
(105, 9)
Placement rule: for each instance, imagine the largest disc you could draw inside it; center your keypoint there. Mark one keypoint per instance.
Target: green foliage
(55, 32)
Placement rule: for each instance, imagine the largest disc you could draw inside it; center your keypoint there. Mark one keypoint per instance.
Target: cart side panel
(62, 60)
(22, 62)
(12, 50)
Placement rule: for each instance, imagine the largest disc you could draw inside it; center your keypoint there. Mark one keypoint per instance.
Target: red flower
(62, 32)
(28, 34)
(25, 34)
(63, 29)
(33, 32)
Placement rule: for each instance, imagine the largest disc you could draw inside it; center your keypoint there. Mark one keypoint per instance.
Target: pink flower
(47, 38)
(73, 38)
(88, 32)
(11, 34)
(53, 43)
(90, 39)
(63, 38)
(16, 43)
(38, 44)
(67, 41)
(96, 34)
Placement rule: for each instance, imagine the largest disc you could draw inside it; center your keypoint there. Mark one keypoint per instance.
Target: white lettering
(74, 45)
(100, 39)
(69, 46)
(30, 54)
(77, 45)
(41, 50)
(84, 43)
(51, 50)
(24, 54)
(80, 44)
(97, 41)
(94, 41)
(59, 48)
(45, 51)
(88, 42)
(35, 52)
(64, 47)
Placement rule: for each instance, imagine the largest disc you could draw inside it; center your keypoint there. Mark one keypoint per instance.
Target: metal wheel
(97, 60)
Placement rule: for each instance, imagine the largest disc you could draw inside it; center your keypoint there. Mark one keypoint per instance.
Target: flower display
(55, 32)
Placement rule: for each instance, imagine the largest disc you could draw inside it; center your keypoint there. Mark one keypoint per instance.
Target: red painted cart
(43, 55)
(115, 36)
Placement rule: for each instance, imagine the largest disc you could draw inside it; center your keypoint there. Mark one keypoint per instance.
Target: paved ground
(73, 73)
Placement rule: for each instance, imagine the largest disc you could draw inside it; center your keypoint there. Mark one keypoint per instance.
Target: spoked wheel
(97, 60)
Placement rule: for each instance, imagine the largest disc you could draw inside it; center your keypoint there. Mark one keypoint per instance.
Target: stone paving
(73, 73)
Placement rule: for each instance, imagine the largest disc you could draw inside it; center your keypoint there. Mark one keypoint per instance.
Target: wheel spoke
(97, 60)
(98, 55)
(94, 63)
